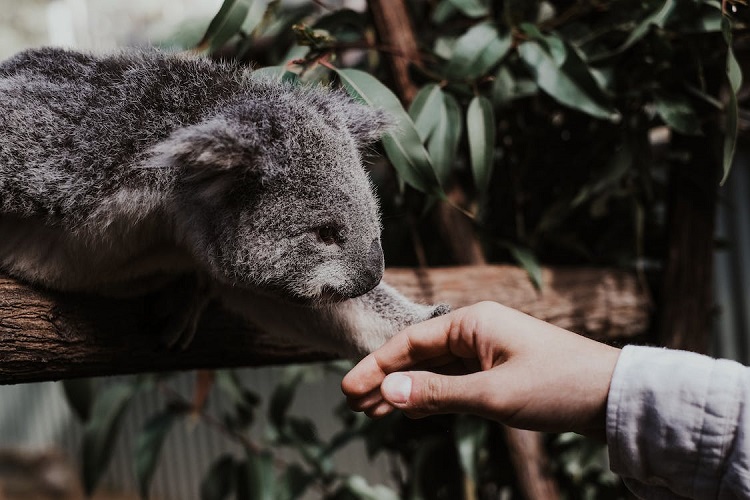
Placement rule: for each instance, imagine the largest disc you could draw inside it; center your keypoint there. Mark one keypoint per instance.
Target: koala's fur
(119, 173)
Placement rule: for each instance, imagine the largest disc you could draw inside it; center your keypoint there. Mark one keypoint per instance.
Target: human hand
(492, 361)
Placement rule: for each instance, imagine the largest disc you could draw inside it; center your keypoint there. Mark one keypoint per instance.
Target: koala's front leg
(351, 328)
(179, 306)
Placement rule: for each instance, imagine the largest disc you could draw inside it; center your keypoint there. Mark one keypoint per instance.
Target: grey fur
(119, 173)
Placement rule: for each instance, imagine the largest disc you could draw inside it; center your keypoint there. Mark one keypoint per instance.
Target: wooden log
(47, 335)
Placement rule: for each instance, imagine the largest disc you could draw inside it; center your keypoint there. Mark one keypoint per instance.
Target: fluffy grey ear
(210, 156)
(367, 124)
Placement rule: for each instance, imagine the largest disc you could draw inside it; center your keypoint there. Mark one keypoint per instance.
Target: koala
(138, 171)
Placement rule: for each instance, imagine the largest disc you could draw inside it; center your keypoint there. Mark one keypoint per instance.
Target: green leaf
(149, 443)
(471, 8)
(254, 16)
(403, 147)
(225, 24)
(477, 51)
(506, 87)
(443, 11)
(282, 397)
(658, 19)
(220, 479)
(293, 483)
(470, 435)
(425, 109)
(422, 466)
(255, 477)
(80, 393)
(100, 432)
(677, 113)
(276, 73)
(734, 75)
(243, 400)
(480, 128)
(528, 261)
(558, 84)
(359, 487)
(438, 119)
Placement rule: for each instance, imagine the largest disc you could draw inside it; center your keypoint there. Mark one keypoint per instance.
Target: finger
(426, 393)
(380, 410)
(417, 343)
(369, 400)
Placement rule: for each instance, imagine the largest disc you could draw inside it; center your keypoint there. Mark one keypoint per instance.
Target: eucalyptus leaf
(149, 443)
(282, 398)
(677, 113)
(364, 491)
(470, 435)
(255, 477)
(471, 8)
(293, 483)
(527, 260)
(276, 73)
(477, 51)
(425, 109)
(480, 128)
(254, 16)
(404, 146)
(219, 482)
(443, 140)
(734, 75)
(507, 87)
(559, 85)
(658, 19)
(100, 432)
(80, 395)
(225, 24)
(443, 11)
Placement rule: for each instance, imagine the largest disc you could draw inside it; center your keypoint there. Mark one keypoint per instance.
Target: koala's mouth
(328, 295)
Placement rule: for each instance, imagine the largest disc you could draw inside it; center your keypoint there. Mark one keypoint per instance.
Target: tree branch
(48, 335)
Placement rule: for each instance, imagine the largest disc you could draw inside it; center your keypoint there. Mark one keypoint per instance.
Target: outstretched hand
(492, 361)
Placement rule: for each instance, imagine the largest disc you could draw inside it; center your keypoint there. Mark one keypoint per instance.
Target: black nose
(372, 271)
(375, 261)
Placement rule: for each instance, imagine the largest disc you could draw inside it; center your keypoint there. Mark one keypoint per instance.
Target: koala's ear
(211, 155)
(367, 124)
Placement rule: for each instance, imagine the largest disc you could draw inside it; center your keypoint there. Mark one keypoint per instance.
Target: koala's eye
(327, 234)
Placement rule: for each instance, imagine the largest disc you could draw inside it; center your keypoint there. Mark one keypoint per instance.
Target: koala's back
(73, 126)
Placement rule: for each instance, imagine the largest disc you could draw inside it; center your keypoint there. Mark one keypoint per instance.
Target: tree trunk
(687, 302)
(48, 335)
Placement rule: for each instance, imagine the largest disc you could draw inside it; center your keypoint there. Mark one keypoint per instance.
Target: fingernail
(396, 388)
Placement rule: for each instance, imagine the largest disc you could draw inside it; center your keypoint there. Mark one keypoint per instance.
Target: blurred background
(555, 135)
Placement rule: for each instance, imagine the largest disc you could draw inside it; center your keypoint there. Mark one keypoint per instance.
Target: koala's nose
(374, 267)
(375, 261)
(372, 271)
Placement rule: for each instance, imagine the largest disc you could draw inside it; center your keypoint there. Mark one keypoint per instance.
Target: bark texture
(48, 336)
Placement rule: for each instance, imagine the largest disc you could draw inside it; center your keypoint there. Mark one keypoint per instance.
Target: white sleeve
(678, 424)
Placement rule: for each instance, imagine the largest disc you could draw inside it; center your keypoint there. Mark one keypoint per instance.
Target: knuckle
(485, 307)
(432, 395)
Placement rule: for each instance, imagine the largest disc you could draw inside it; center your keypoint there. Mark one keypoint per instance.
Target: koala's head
(271, 193)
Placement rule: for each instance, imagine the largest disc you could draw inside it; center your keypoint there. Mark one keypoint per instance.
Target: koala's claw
(181, 306)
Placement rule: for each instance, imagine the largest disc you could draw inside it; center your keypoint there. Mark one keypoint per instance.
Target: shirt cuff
(671, 419)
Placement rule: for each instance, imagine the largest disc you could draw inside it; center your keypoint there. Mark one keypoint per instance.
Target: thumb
(427, 393)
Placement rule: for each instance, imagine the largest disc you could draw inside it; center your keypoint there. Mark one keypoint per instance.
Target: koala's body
(120, 173)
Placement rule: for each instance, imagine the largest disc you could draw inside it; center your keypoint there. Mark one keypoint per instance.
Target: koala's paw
(178, 309)
(440, 310)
